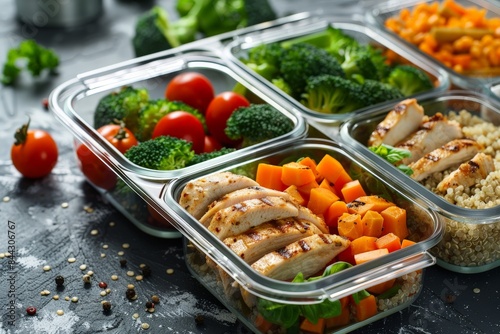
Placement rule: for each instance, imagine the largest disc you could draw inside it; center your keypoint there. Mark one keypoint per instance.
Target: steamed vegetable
(35, 58)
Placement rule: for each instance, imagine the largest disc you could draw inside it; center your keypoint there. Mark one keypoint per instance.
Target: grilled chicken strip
(448, 155)
(468, 173)
(260, 240)
(240, 217)
(433, 133)
(306, 214)
(198, 194)
(237, 196)
(399, 123)
(308, 256)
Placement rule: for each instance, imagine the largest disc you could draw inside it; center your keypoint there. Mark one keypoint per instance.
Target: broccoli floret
(282, 84)
(380, 61)
(377, 92)
(161, 153)
(332, 94)
(302, 61)
(257, 123)
(265, 59)
(358, 61)
(409, 80)
(258, 11)
(123, 105)
(210, 155)
(154, 110)
(37, 60)
(154, 31)
(340, 42)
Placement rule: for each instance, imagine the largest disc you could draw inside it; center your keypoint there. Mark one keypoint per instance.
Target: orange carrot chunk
(297, 174)
(306, 188)
(352, 190)
(381, 287)
(373, 223)
(359, 207)
(343, 178)
(309, 327)
(395, 221)
(366, 308)
(349, 226)
(407, 243)
(330, 168)
(363, 244)
(269, 176)
(307, 161)
(370, 255)
(340, 320)
(334, 212)
(320, 200)
(378, 203)
(389, 241)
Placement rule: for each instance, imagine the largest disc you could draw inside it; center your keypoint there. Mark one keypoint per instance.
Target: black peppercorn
(106, 306)
(155, 299)
(130, 293)
(123, 262)
(146, 271)
(199, 319)
(59, 280)
(149, 305)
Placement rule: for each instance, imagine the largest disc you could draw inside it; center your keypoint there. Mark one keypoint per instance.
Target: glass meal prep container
(234, 282)
(478, 49)
(74, 103)
(237, 50)
(470, 242)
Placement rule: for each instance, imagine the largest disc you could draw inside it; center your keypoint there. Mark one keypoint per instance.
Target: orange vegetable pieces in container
(320, 200)
(366, 308)
(363, 244)
(349, 226)
(334, 212)
(296, 194)
(373, 224)
(370, 255)
(389, 241)
(395, 221)
(352, 190)
(269, 176)
(463, 38)
(308, 327)
(381, 287)
(332, 170)
(297, 174)
(307, 161)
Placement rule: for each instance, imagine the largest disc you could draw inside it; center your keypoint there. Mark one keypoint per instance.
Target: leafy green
(36, 58)
(287, 315)
(393, 155)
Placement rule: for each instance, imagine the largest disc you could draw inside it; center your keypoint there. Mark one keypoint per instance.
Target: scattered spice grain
(155, 299)
(47, 268)
(59, 280)
(170, 271)
(60, 312)
(31, 310)
(65, 205)
(71, 259)
(106, 306)
(145, 325)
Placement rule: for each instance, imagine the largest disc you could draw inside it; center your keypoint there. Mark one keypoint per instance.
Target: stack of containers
(437, 228)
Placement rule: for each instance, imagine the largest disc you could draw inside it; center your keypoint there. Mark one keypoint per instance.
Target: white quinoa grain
(130, 273)
(60, 312)
(94, 232)
(103, 293)
(112, 224)
(71, 260)
(138, 278)
(65, 205)
(170, 271)
(46, 268)
(90, 273)
(135, 315)
(55, 297)
(6, 199)
(121, 253)
(114, 277)
(145, 325)
(83, 267)
(45, 292)
(74, 299)
(105, 246)
(130, 286)
(126, 245)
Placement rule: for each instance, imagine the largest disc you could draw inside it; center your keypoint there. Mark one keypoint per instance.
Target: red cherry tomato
(34, 153)
(92, 167)
(219, 111)
(192, 88)
(181, 124)
(211, 144)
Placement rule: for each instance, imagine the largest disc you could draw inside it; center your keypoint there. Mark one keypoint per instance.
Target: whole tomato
(92, 167)
(192, 88)
(219, 111)
(211, 144)
(183, 125)
(34, 152)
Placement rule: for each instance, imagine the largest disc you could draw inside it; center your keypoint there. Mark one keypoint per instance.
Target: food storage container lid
(376, 13)
(488, 109)
(334, 286)
(240, 44)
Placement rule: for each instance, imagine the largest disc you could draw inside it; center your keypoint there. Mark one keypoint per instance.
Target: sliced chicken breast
(198, 194)
(433, 133)
(237, 196)
(260, 240)
(306, 214)
(468, 173)
(239, 217)
(308, 256)
(399, 123)
(448, 155)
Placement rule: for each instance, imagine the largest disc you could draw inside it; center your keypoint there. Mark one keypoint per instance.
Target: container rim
(373, 15)
(335, 286)
(318, 23)
(438, 204)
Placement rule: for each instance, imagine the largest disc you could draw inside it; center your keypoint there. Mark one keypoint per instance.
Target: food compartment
(255, 263)
(134, 96)
(345, 68)
(460, 175)
(459, 35)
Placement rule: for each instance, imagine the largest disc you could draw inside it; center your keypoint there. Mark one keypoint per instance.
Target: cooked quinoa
(464, 244)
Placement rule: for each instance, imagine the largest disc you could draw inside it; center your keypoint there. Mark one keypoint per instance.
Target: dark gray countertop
(46, 233)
